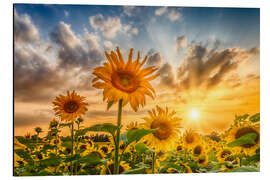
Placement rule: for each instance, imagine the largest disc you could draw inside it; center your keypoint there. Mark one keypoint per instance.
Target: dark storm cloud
(72, 52)
(24, 29)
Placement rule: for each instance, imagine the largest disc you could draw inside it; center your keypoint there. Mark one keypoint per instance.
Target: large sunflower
(167, 129)
(241, 130)
(70, 107)
(124, 80)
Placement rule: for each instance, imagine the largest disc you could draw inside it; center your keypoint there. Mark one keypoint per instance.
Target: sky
(208, 60)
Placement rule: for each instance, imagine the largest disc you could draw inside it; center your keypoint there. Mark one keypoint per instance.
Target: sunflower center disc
(163, 130)
(71, 107)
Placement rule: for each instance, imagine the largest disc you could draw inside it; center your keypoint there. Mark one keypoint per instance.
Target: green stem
(117, 139)
(76, 149)
(153, 163)
(72, 139)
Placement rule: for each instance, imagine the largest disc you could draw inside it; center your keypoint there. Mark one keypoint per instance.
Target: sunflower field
(158, 145)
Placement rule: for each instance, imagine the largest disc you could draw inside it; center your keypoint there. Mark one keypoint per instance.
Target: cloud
(135, 31)
(155, 59)
(181, 42)
(173, 15)
(66, 13)
(167, 77)
(33, 119)
(34, 78)
(38, 77)
(72, 52)
(205, 67)
(24, 29)
(111, 26)
(108, 45)
(129, 10)
(108, 27)
(160, 11)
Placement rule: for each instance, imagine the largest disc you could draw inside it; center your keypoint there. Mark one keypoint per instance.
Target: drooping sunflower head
(69, 107)
(124, 80)
(167, 129)
(190, 138)
(122, 168)
(132, 125)
(27, 135)
(53, 124)
(239, 131)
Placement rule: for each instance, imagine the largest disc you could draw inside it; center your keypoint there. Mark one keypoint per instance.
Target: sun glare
(194, 114)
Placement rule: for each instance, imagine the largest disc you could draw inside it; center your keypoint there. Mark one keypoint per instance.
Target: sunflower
(18, 145)
(84, 148)
(27, 135)
(105, 149)
(18, 161)
(161, 156)
(132, 125)
(69, 107)
(187, 169)
(40, 156)
(198, 150)
(55, 141)
(90, 142)
(241, 130)
(190, 139)
(167, 129)
(126, 81)
(99, 152)
(223, 155)
(203, 160)
(122, 168)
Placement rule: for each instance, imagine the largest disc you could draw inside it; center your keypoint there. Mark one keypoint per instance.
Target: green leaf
(123, 138)
(137, 134)
(177, 168)
(140, 170)
(23, 154)
(109, 105)
(106, 127)
(246, 139)
(141, 147)
(92, 158)
(52, 161)
(246, 169)
(255, 117)
(26, 142)
(65, 124)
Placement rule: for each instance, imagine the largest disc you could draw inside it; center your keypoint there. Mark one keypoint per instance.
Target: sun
(194, 114)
